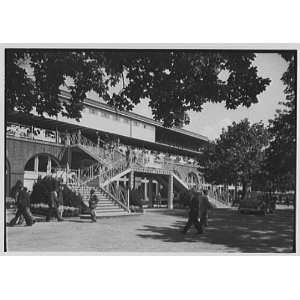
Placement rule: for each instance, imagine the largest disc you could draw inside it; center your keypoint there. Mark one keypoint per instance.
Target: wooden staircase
(106, 206)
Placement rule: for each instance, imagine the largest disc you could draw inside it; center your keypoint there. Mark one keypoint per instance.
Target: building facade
(108, 149)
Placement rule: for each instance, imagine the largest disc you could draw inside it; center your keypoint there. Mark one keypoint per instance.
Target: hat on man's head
(92, 191)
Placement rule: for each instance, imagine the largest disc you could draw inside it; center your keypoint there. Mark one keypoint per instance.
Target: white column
(36, 165)
(170, 192)
(145, 190)
(49, 166)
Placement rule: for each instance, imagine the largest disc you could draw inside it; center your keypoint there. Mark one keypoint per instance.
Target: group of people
(199, 207)
(23, 208)
(23, 212)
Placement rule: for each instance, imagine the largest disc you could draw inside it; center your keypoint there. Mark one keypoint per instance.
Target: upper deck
(101, 119)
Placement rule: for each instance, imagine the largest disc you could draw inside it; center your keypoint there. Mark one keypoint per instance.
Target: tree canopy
(236, 157)
(174, 81)
(280, 163)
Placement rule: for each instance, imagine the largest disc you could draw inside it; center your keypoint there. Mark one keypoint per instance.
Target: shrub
(70, 198)
(42, 188)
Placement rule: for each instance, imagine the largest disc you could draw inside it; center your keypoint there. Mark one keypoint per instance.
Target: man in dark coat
(23, 208)
(93, 204)
(53, 207)
(193, 214)
(204, 206)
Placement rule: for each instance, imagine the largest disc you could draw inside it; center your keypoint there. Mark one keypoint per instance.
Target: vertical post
(56, 136)
(36, 165)
(69, 156)
(131, 180)
(157, 187)
(150, 192)
(79, 136)
(128, 204)
(145, 189)
(67, 140)
(170, 192)
(49, 166)
(98, 140)
(67, 172)
(32, 132)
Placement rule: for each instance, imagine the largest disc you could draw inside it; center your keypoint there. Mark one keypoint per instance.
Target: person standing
(23, 208)
(193, 215)
(53, 207)
(93, 204)
(204, 206)
(60, 201)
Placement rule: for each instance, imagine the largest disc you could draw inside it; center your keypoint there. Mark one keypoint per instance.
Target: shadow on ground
(272, 233)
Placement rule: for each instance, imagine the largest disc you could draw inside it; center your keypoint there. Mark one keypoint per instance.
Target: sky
(210, 121)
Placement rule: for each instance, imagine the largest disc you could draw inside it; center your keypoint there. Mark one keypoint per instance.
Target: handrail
(115, 199)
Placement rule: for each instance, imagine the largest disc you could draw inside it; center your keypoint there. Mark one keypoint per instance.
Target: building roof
(134, 116)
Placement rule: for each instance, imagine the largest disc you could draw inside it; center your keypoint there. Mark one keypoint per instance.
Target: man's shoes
(60, 220)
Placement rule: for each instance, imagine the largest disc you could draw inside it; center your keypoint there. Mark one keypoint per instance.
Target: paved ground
(159, 231)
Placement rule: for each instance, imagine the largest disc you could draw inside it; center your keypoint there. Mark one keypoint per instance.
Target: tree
(280, 163)
(236, 156)
(174, 81)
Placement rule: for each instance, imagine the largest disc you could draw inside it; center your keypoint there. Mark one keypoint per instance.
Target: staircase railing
(119, 194)
(115, 169)
(116, 196)
(102, 173)
(106, 156)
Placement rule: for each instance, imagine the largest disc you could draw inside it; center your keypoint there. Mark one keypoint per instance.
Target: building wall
(19, 151)
(113, 123)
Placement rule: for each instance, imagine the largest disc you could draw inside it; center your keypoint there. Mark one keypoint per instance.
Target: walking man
(193, 215)
(204, 206)
(23, 208)
(93, 204)
(53, 207)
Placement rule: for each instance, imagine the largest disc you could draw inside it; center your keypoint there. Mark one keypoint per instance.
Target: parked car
(257, 202)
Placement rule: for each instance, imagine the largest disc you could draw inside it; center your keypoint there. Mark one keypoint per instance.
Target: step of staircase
(109, 214)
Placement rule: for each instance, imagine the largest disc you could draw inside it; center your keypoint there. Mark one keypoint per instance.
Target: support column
(131, 180)
(56, 136)
(79, 136)
(150, 192)
(145, 190)
(170, 192)
(49, 166)
(69, 157)
(157, 187)
(68, 139)
(36, 165)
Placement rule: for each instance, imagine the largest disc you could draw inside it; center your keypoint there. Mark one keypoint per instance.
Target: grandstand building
(109, 150)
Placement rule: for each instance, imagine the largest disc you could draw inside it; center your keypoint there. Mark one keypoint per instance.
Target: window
(93, 111)
(116, 118)
(30, 165)
(135, 123)
(126, 120)
(43, 162)
(105, 114)
(145, 126)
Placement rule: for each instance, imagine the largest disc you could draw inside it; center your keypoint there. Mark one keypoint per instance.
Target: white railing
(35, 133)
